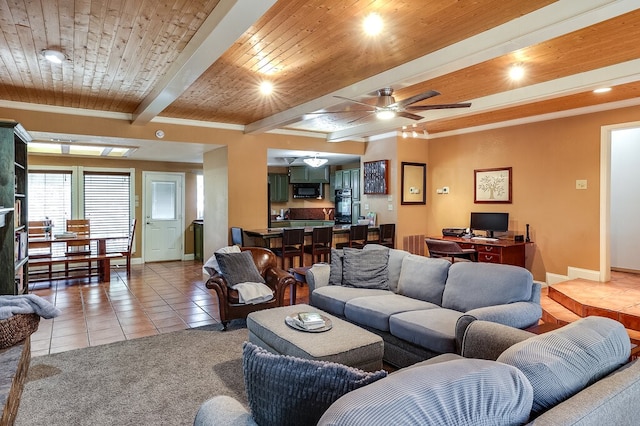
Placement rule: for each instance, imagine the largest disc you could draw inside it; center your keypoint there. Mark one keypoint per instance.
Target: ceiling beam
(228, 21)
(559, 18)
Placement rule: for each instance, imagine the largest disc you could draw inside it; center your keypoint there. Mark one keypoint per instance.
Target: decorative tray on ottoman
(291, 322)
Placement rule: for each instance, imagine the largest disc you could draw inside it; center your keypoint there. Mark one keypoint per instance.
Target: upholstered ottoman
(345, 343)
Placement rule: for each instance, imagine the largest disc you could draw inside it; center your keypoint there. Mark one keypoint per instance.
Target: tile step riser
(631, 322)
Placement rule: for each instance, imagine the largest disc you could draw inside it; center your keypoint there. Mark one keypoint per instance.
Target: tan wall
(547, 159)
(190, 171)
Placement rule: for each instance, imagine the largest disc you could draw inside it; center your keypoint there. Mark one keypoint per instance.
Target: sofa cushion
(285, 390)
(395, 263)
(472, 285)
(423, 278)
(457, 392)
(335, 272)
(374, 311)
(332, 298)
(365, 268)
(433, 329)
(238, 268)
(562, 362)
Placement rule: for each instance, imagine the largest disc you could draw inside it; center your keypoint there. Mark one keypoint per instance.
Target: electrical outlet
(366, 206)
(439, 191)
(581, 184)
(445, 189)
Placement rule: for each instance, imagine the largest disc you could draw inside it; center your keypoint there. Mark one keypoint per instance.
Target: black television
(489, 222)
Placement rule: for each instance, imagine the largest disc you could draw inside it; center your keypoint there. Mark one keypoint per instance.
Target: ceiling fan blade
(417, 98)
(406, 114)
(354, 101)
(362, 118)
(341, 112)
(442, 106)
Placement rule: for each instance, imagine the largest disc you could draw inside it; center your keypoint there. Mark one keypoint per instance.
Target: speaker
(519, 238)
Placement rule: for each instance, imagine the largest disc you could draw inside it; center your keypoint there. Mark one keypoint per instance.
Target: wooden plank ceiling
(118, 52)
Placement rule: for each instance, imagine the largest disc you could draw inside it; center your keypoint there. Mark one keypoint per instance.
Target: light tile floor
(156, 298)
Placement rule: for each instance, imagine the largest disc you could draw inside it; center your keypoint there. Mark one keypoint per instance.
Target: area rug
(157, 380)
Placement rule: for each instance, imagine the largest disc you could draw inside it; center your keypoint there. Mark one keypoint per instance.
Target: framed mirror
(414, 183)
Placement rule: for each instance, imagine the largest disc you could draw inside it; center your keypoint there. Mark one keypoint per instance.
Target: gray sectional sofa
(416, 303)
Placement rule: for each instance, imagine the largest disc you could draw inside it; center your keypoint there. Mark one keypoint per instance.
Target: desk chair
(358, 235)
(450, 250)
(321, 242)
(237, 236)
(387, 235)
(292, 246)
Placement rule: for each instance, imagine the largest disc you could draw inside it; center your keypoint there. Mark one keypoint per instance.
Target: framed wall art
(492, 185)
(376, 177)
(414, 182)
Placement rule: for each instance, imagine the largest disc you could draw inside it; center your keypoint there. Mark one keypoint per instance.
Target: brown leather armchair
(276, 278)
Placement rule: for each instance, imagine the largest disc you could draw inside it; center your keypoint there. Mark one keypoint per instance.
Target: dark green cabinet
(279, 187)
(13, 208)
(354, 179)
(198, 236)
(303, 174)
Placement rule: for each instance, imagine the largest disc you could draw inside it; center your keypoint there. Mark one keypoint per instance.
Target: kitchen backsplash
(324, 213)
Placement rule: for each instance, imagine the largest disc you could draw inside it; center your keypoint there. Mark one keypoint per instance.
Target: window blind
(107, 205)
(50, 196)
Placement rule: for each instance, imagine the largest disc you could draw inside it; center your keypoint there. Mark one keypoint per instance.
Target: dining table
(272, 237)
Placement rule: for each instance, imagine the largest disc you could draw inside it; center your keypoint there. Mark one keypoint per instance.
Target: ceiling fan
(386, 106)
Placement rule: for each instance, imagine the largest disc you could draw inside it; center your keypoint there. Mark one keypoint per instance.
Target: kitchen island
(272, 237)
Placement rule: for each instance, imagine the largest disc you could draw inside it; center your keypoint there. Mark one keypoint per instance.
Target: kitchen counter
(268, 236)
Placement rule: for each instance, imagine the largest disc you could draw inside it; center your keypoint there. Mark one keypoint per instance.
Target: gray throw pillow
(285, 390)
(238, 268)
(365, 268)
(561, 363)
(335, 273)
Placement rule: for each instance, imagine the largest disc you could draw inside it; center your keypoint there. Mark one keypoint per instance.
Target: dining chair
(237, 236)
(387, 235)
(450, 250)
(321, 242)
(358, 235)
(80, 245)
(127, 253)
(292, 246)
(36, 230)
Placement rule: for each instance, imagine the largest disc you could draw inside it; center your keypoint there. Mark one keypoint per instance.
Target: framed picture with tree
(492, 185)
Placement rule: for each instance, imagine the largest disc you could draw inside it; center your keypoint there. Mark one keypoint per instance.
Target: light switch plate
(445, 189)
(581, 184)
(390, 207)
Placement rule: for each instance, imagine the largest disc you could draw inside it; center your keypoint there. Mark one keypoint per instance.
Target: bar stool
(321, 241)
(387, 235)
(358, 235)
(292, 246)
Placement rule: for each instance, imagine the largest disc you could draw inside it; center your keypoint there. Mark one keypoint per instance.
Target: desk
(507, 252)
(268, 234)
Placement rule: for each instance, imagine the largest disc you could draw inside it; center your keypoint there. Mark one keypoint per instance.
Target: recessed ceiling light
(602, 90)
(373, 24)
(266, 87)
(53, 56)
(516, 72)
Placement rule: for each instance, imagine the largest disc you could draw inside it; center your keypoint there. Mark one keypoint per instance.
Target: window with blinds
(107, 205)
(50, 196)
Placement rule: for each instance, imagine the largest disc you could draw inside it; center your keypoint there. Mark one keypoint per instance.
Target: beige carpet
(158, 380)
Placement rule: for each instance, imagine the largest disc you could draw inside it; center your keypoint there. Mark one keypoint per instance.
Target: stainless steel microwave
(307, 190)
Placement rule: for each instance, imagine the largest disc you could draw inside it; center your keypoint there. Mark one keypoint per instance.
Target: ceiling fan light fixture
(385, 114)
(315, 161)
(53, 56)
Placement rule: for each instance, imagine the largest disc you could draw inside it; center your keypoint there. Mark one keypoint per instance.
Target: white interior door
(163, 216)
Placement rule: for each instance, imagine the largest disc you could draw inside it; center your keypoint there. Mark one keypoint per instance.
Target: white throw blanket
(253, 293)
(26, 304)
(211, 265)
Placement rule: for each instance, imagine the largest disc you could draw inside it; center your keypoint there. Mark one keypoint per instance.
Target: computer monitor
(490, 222)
